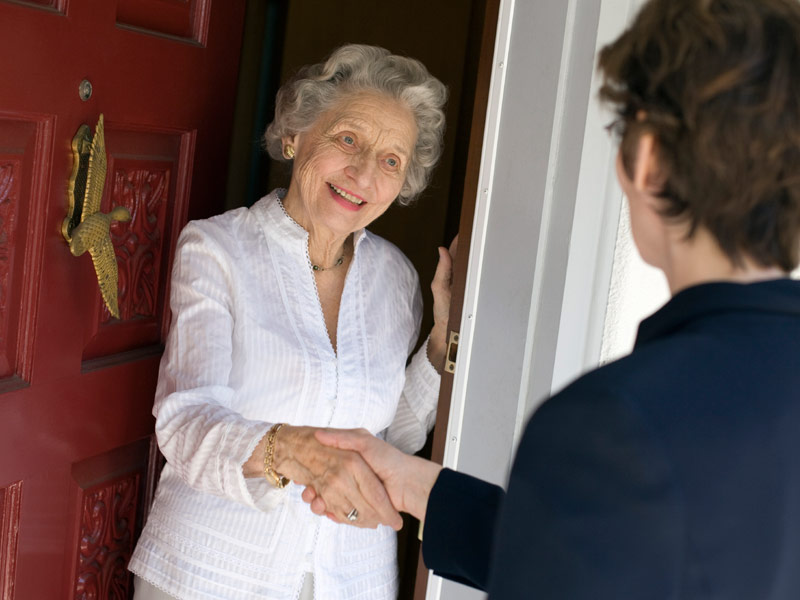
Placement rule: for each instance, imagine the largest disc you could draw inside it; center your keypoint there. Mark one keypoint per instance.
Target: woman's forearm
(436, 347)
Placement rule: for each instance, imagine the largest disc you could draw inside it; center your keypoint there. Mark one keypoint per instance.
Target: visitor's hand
(408, 479)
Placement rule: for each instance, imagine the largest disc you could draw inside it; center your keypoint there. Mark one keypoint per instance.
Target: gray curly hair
(356, 68)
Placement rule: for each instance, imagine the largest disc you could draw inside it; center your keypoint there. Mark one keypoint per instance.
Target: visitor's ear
(647, 176)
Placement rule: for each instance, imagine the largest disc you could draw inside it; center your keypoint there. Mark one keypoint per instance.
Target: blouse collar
(284, 228)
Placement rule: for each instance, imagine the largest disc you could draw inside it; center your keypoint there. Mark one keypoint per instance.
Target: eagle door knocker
(85, 227)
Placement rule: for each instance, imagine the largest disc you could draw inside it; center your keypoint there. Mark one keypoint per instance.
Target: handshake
(354, 478)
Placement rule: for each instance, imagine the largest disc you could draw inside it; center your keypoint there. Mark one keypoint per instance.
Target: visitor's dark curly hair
(717, 83)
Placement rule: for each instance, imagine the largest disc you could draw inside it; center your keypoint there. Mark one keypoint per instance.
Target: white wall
(637, 290)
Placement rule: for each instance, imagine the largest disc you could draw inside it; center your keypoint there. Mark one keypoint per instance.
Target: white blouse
(248, 347)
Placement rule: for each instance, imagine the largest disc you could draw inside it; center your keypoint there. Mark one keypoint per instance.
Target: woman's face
(351, 165)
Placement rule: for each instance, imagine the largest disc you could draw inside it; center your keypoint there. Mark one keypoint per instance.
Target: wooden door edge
(483, 79)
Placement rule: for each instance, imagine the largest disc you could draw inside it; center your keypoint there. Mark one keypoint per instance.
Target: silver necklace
(338, 262)
(314, 267)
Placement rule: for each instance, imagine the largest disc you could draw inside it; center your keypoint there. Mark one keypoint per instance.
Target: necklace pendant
(338, 262)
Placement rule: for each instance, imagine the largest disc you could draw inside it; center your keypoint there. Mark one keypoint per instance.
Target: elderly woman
(673, 472)
(290, 316)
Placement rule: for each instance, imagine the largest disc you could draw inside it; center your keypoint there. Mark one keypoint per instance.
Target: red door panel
(109, 511)
(24, 167)
(77, 461)
(182, 18)
(9, 536)
(149, 174)
(53, 4)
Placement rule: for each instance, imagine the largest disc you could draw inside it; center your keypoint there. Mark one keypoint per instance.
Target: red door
(76, 385)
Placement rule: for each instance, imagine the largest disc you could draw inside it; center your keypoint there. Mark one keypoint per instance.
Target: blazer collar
(774, 296)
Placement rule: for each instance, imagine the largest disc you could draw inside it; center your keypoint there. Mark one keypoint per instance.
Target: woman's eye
(348, 139)
(392, 162)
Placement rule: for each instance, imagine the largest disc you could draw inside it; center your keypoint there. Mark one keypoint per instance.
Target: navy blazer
(671, 473)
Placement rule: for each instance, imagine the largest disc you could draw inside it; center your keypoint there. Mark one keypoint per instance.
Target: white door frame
(543, 235)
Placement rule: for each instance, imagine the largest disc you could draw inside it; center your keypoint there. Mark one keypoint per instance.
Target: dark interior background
(282, 35)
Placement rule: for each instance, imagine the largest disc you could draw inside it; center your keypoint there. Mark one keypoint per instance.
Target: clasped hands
(366, 473)
(346, 469)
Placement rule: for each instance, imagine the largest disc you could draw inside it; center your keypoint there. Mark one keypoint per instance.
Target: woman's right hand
(341, 477)
(441, 286)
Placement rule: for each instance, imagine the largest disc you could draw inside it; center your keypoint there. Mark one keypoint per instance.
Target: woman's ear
(289, 145)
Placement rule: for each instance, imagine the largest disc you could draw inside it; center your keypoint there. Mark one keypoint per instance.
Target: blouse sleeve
(416, 409)
(202, 437)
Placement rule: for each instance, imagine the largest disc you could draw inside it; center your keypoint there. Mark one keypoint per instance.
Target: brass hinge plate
(452, 353)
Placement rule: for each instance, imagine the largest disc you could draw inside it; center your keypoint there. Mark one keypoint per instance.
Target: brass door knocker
(85, 227)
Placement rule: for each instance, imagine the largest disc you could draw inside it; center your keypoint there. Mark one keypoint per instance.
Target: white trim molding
(543, 235)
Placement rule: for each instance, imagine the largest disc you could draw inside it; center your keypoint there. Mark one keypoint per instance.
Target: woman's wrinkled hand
(340, 476)
(441, 286)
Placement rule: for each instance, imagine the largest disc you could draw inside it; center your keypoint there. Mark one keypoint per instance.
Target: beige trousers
(143, 590)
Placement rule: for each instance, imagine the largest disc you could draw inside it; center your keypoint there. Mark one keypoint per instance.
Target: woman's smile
(347, 199)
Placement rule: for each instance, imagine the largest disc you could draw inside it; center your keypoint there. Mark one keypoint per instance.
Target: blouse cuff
(255, 492)
(422, 383)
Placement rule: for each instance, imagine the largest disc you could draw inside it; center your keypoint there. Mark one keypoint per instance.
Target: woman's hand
(342, 477)
(441, 286)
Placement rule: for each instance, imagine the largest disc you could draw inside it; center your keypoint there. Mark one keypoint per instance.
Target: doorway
(446, 36)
